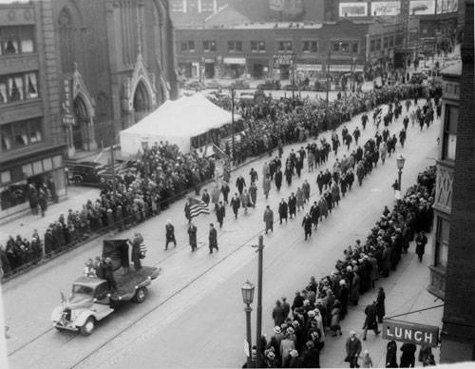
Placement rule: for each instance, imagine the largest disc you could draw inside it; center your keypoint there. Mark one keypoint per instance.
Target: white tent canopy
(176, 122)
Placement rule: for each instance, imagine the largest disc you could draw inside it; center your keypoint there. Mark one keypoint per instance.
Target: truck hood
(79, 301)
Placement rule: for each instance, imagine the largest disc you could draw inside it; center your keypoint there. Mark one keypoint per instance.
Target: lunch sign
(408, 332)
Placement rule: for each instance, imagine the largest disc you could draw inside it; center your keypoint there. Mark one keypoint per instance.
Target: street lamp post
(247, 291)
(400, 160)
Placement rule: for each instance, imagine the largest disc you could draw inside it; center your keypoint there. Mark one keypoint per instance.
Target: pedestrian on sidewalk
(283, 210)
(421, 241)
(169, 234)
(335, 318)
(381, 310)
(269, 219)
(307, 226)
(278, 313)
(366, 362)
(391, 351)
(353, 350)
(213, 238)
(370, 321)
(192, 230)
(253, 193)
(408, 357)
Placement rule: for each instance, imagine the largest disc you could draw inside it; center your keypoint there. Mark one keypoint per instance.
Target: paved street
(194, 316)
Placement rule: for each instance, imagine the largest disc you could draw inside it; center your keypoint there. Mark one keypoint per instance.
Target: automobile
(291, 87)
(194, 85)
(246, 96)
(269, 84)
(84, 173)
(213, 84)
(239, 84)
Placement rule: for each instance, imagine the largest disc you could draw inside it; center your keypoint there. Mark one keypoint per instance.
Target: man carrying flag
(195, 207)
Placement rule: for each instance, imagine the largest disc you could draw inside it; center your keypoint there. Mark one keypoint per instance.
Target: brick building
(274, 50)
(458, 331)
(31, 135)
(116, 63)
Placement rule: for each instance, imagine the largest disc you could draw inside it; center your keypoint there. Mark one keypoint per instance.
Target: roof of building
(454, 69)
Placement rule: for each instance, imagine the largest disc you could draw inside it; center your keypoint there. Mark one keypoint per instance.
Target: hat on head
(277, 329)
(290, 330)
(311, 313)
(352, 333)
(294, 353)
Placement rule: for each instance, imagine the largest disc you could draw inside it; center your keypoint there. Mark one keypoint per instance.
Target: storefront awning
(241, 61)
(309, 67)
(346, 68)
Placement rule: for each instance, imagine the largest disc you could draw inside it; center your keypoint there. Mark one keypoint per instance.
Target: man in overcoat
(213, 238)
(192, 230)
(269, 219)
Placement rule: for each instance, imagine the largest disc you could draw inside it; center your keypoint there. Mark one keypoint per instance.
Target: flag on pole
(197, 207)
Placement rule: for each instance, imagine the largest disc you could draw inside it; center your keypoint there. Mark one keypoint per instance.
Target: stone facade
(32, 139)
(116, 62)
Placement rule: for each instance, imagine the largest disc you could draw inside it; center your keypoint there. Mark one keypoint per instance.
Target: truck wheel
(88, 327)
(140, 295)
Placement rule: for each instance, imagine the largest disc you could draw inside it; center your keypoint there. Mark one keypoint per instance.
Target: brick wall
(458, 336)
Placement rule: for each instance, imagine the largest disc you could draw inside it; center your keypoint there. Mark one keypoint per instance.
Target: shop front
(258, 68)
(42, 168)
(282, 67)
(309, 71)
(234, 67)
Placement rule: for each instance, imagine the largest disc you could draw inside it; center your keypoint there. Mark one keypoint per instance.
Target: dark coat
(283, 209)
(213, 238)
(311, 358)
(292, 205)
(192, 230)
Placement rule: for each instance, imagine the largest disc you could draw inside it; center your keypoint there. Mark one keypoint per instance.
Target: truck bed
(126, 282)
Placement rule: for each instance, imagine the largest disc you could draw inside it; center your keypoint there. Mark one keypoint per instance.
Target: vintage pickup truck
(92, 300)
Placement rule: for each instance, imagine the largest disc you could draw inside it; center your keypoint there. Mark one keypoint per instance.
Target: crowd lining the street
(164, 174)
(316, 312)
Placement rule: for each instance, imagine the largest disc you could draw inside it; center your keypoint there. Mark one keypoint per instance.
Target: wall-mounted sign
(353, 9)
(309, 67)
(283, 59)
(418, 334)
(422, 7)
(385, 8)
(447, 6)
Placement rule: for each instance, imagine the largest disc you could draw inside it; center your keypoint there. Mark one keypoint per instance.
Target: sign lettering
(408, 332)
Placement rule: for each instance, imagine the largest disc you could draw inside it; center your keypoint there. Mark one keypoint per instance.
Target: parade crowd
(164, 174)
(302, 327)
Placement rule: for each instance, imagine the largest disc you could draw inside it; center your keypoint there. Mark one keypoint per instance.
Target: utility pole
(260, 249)
(233, 155)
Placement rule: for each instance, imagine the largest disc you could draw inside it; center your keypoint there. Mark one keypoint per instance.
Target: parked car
(291, 87)
(85, 173)
(240, 84)
(270, 84)
(213, 84)
(194, 85)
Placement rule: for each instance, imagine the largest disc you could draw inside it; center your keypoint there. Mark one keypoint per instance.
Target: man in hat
(295, 360)
(278, 313)
(269, 219)
(213, 238)
(371, 312)
(192, 230)
(311, 356)
(286, 346)
(353, 350)
(169, 234)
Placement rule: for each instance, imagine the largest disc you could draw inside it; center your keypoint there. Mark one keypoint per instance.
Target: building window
(345, 47)
(18, 87)
(399, 39)
(20, 134)
(284, 46)
(258, 46)
(355, 47)
(17, 40)
(449, 140)
(207, 6)
(188, 46)
(386, 42)
(234, 46)
(391, 41)
(442, 243)
(372, 45)
(378, 44)
(309, 46)
(209, 46)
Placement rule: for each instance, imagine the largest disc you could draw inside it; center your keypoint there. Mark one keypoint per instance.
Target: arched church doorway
(80, 128)
(141, 102)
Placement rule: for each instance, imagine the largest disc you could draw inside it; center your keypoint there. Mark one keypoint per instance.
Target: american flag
(197, 207)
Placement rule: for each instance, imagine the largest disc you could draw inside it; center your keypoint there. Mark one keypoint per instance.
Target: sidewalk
(25, 223)
(405, 290)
